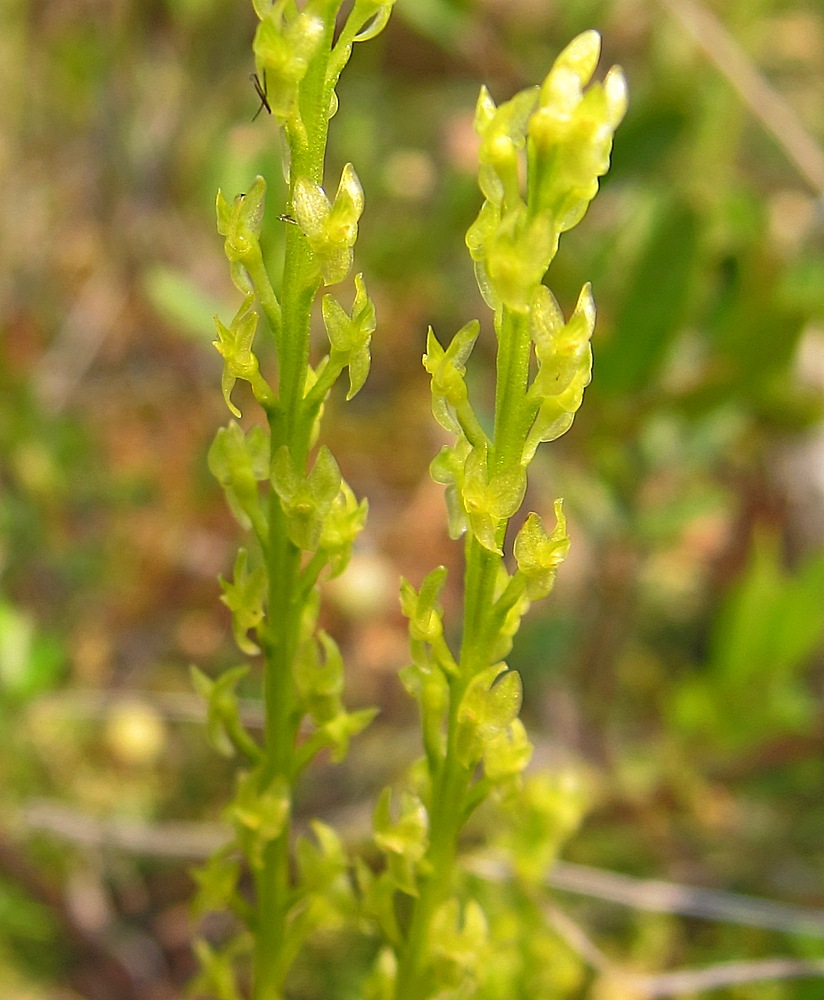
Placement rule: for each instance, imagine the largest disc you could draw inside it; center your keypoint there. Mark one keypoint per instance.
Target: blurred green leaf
(180, 301)
(773, 621)
(30, 662)
(764, 637)
(656, 298)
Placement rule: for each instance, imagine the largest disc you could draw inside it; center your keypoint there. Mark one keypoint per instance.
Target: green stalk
(273, 595)
(448, 795)
(512, 373)
(452, 781)
(272, 881)
(266, 295)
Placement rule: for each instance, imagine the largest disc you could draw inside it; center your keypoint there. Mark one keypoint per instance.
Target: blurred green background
(680, 664)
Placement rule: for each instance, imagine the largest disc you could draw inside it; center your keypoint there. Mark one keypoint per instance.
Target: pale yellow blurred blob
(135, 733)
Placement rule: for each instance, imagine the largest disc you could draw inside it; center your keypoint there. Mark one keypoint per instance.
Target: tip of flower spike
(615, 91)
(560, 519)
(581, 55)
(586, 305)
(484, 110)
(350, 186)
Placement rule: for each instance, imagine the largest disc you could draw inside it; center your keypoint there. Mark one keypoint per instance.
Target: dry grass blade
(768, 106)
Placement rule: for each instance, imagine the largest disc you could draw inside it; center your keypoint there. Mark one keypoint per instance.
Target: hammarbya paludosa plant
(302, 520)
(469, 700)
(301, 516)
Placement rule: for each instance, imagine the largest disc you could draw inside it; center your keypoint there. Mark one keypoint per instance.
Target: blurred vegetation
(680, 663)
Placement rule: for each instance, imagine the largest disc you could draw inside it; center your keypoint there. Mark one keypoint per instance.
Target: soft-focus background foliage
(680, 664)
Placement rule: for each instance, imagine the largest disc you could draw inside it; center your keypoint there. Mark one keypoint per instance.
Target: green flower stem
(327, 377)
(284, 613)
(479, 582)
(260, 528)
(273, 881)
(309, 155)
(259, 276)
(512, 417)
(471, 426)
(242, 740)
(310, 573)
(300, 287)
(513, 592)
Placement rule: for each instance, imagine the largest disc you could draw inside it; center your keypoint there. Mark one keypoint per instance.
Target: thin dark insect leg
(260, 90)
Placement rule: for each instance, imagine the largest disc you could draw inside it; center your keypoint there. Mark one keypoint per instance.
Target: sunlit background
(677, 671)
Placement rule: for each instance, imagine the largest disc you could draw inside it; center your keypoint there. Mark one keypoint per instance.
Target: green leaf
(30, 661)
(768, 629)
(771, 623)
(446, 23)
(180, 299)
